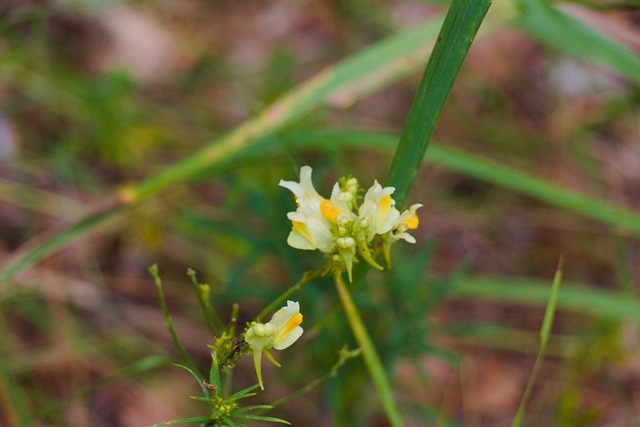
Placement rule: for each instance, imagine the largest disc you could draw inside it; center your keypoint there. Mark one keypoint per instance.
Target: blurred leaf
(36, 250)
(534, 292)
(340, 85)
(191, 420)
(13, 401)
(545, 331)
(567, 34)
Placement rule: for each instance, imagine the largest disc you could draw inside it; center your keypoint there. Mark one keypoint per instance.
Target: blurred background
(98, 95)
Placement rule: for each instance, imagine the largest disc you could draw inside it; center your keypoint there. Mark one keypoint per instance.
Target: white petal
(293, 186)
(288, 339)
(321, 234)
(305, 181)
(404, 236)
(298, 241)
(283, 315)
(386, 222)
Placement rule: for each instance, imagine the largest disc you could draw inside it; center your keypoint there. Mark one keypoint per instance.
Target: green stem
(227, 381)
(153, 270)
(369, 353)
(233, 321)
(343, 356)
(203, 293)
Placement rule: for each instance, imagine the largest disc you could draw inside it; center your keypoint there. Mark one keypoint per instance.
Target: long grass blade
(35, 251)
(533, 292)
(13, 401)
(458, 32)
(153, 270)
(369, 353)
(545, 331)
(191, 420)
(261, 418)
(337, 86)
(566, 34)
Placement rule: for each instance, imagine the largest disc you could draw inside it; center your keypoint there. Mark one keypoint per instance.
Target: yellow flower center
(385, 204)
(291, 324)
(329, 210)
(412, 222)
(302, 229)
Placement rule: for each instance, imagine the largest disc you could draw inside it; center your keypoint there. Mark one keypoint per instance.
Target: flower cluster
(340, 228)
(280, 332)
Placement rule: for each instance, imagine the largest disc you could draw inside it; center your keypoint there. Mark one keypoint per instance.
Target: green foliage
(104, 172)
(545, 332)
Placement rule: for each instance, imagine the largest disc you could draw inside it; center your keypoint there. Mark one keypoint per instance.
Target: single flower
(378, 209)
(309, 232)
(312, 222)
(408, 220)
(280, 332)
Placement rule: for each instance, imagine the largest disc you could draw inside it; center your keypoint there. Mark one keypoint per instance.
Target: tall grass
(247, 237)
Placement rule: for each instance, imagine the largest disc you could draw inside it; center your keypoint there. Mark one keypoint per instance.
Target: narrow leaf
(458, 31)
(214, 373)
(191, 420)
(242, 394)
(261, 418)
(18, 411)
(205, 391)
(566, 34)
(534, 292)
(545, 330)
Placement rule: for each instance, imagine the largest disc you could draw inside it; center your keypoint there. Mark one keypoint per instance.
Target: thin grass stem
(545, 332)
(344, 356)
(153, 270)
(369, 353)
(211, 317)
(233, 321)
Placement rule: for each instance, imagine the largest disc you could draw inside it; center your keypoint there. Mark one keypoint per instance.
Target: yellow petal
(385, 204)
(329, 210)
(412, 222)
(302, 229)
(291, 324)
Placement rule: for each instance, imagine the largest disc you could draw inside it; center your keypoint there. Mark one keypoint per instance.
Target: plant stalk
(369, 353)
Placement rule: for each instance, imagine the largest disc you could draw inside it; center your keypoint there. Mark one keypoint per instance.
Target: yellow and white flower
(407, 221)
(311, 222)
(309, 232)
(378, 210)
(280, 332)
(333, 226)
